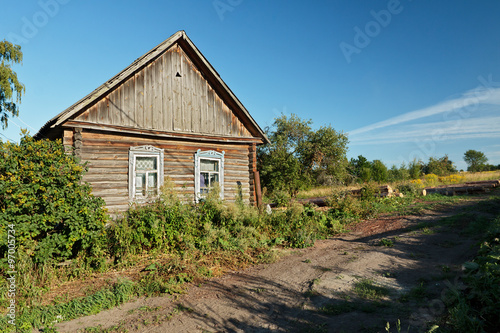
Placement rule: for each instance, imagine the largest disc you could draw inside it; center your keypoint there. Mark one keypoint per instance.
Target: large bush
(42, 197)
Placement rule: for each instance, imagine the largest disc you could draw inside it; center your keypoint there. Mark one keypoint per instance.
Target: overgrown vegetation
(62, 235)
(53, 215)
(475, 307)
(47, 216)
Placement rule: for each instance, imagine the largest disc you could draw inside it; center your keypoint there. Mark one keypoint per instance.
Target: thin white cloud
(470, 99)
(473, 128)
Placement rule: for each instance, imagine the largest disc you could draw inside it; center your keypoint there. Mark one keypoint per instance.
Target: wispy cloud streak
(475, 128)
(471, 98)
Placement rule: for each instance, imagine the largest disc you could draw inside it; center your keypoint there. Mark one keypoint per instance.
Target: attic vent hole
(178, 75)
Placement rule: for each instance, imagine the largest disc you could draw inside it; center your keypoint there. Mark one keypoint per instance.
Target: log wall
(107, 157)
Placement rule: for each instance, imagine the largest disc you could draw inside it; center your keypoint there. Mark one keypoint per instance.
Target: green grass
(338, 308)
(427, 231)
(417, 293)
(48, 315)
(367, 289)
(386, 242)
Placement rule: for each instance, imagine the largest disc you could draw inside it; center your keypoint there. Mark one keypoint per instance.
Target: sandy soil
(291, 294)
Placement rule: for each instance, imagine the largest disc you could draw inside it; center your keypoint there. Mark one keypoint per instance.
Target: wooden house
(168, 114)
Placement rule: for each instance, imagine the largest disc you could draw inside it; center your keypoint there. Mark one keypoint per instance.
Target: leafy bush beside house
(54, 214)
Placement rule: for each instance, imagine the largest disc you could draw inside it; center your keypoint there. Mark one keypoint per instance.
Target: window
(145, 172)
(209, 171)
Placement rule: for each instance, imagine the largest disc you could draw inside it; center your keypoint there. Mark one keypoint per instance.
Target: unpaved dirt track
(287, 296)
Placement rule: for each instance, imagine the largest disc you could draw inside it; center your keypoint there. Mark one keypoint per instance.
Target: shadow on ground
(418, 267)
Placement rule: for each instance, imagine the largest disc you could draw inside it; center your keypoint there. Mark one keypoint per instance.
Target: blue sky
(405, 79)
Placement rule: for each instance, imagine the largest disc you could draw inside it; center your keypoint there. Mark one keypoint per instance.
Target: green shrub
(369, 192)
(280, 198)
(157, 226)
(409, 189)
(346, 207)
(42, 197)
(475, 309)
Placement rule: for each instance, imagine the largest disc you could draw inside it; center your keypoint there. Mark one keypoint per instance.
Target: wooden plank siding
(155, 97)
(107, 157)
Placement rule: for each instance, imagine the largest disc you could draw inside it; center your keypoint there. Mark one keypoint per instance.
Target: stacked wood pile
(383, 191)
(467, 188)
(487, 183)
(318, 201)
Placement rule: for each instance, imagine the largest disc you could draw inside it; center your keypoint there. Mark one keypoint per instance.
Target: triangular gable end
(169, 94)
(172, 88)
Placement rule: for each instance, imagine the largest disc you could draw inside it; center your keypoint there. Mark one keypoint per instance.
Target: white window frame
(211, 155)
(143, 151)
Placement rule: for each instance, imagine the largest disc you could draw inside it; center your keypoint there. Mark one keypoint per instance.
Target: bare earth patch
(383, 270)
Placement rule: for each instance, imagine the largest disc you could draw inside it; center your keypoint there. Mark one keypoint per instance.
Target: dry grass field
(325, 191)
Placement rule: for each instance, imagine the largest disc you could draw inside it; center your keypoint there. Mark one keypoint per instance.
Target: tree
(379, 171)
(360, 169)
(280, 164)
(476, 160)
(42, 195)
(11, 89)
(323, 155)
(298, 157)
(398, 174)
(415, 168)
(439, 166)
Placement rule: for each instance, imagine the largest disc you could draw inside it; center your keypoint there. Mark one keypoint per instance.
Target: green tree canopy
(279, 162)
(323, 155)
(476, 160)
(379, 171)
(415, 168)
(298, 156)
(360, 169)
(440, 166)
(11, 89)
(398, 174)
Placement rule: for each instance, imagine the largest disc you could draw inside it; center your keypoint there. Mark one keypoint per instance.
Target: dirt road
(383, 270)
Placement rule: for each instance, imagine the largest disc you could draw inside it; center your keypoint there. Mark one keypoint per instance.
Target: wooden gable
(173, 90)
(168, 94)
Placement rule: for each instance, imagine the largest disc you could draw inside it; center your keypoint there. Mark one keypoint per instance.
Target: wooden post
(252, 158)
(258, 192)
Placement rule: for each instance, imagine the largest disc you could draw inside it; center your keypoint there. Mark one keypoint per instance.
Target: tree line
(299, 157)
